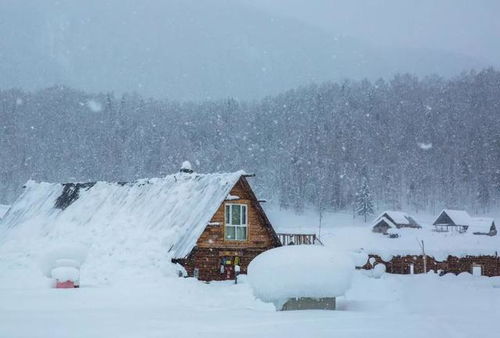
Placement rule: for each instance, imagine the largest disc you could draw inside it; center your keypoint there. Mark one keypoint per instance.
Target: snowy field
(143, 301)
(416, 306)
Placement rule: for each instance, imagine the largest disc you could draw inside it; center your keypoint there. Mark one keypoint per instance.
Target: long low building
(444, 252)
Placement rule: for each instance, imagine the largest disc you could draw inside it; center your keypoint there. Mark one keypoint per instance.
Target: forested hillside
(419, 143)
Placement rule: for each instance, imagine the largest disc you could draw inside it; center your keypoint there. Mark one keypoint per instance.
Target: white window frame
(227, 222)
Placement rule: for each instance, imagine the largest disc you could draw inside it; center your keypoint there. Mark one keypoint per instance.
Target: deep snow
(143, 302)
(300, 271)
(416, 306)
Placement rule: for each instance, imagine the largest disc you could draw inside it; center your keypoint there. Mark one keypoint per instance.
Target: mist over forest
(420, 143)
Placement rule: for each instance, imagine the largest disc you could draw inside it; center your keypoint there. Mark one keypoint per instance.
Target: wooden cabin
(393, 220)
(211, 224)
(460, 221)
(238, 231)
(452, 220)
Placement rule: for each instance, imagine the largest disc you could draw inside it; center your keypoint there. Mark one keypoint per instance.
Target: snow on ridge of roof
(399, 217)
(3, 209)
(459, 217)
(383, 218)
(148, 217)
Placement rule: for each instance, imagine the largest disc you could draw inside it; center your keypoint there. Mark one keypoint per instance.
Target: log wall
(212, 245)
(401, 264)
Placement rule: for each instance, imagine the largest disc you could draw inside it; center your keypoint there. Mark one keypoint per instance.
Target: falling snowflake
(424, 146)
(94, 106)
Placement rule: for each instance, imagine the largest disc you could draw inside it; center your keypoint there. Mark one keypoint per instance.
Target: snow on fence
(298, 239)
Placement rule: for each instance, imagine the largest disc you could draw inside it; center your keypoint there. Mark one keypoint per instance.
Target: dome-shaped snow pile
(300, 271)
(63, 263)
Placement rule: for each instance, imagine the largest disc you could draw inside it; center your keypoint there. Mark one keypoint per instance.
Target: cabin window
(236, 222)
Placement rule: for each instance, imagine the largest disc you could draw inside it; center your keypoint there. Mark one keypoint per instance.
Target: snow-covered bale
(64, 256)
(302, 271)
(66, 274)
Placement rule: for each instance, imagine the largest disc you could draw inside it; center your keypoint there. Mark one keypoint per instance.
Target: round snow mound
(63, 256)
(378, 270)
(300, 271)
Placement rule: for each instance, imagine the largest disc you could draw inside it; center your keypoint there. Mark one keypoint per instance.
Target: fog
(459, 26)
(194, 50)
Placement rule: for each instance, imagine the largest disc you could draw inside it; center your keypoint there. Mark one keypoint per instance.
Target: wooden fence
(299, 239)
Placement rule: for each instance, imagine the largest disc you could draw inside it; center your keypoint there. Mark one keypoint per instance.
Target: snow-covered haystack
(302, 271)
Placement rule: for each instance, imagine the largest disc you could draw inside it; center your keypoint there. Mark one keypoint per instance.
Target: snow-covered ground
(395, 305)
(342, 231)
(145, 301)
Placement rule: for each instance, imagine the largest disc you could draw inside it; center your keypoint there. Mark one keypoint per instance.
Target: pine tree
(364, 202)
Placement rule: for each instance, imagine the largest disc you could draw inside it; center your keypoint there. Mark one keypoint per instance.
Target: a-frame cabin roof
(172, 210)
(453, 217)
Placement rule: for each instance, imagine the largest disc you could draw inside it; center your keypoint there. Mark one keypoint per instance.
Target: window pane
(241, 233)
(228, 214)
(230, 232)
(236, 214)
(243, 214)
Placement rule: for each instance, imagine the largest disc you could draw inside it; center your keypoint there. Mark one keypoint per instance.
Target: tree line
(413, 143)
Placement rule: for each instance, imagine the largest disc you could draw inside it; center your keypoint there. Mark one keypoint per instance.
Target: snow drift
(300, 271)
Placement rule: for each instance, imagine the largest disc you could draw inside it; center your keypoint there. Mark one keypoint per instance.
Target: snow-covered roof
(459, 217)
(481, 224)
(168, 213)
(386, 220)
(399, 217)
(3, 210)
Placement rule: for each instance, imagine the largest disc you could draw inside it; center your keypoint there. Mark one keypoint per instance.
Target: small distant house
(393, 220)
(460, 221)
(452, 220)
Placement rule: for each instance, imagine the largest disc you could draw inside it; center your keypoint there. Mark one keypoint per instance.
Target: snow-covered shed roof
(458, 217)
(383, 219)
(170, 212)
(398, 217)
(3, 210)
(481, 224)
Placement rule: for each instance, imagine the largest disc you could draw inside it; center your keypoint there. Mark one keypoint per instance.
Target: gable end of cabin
(238, 231)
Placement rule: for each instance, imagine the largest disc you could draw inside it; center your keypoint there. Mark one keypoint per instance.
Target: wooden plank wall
(212, 246)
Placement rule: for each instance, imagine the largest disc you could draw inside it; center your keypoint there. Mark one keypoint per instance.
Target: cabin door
(228, 269)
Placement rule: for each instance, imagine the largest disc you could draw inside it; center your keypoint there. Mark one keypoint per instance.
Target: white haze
(246, 49)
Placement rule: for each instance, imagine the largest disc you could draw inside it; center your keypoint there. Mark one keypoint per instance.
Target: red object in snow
(65, 285)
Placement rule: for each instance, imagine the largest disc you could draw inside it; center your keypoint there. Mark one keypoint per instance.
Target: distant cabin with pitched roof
(393, 220)
(460, 221)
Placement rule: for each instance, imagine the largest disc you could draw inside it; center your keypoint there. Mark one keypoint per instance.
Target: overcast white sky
(192, 49)
(470, 27)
